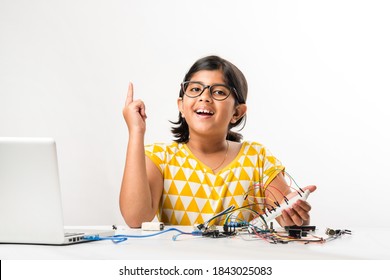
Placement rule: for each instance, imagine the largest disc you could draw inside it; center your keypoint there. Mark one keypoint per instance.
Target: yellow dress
(193, 194)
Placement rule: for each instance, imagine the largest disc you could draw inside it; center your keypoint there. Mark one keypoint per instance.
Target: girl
(207, 168)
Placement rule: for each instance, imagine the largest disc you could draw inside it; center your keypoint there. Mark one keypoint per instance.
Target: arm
(142, 181)
(298, 214)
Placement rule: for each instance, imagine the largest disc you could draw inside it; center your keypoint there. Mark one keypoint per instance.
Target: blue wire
(123, 237)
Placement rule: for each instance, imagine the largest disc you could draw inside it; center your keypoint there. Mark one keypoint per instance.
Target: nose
(206, 97)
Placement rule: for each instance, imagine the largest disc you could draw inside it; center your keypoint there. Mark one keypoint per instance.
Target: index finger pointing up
(130, 94)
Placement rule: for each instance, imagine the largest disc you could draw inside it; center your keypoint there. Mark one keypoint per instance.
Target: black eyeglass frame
(231, 89)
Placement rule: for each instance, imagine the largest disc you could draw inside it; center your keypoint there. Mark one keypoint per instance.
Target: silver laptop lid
(30, 198)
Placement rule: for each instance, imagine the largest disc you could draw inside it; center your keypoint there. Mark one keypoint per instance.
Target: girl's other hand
(298, 214)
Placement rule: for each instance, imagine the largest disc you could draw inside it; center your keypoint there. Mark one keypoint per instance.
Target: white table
(363, 244)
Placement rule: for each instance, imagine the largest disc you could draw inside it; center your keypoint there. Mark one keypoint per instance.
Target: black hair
(233, 78)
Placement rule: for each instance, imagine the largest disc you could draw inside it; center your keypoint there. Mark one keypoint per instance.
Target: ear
(238, 113)
(180, 106)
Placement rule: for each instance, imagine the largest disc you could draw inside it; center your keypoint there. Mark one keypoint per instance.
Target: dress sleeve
(157, 153)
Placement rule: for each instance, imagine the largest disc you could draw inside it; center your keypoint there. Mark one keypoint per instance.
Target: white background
(318, 74)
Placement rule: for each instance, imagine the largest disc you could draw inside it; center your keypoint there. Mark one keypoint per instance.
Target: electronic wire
(123, 237)
(223, 212)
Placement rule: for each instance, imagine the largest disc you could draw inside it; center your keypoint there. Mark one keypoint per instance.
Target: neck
(207, 145)
(210, 152)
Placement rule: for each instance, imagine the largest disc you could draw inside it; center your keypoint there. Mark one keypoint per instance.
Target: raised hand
(134, 113)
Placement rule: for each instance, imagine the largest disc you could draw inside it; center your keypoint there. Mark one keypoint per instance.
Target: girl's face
(206, 116)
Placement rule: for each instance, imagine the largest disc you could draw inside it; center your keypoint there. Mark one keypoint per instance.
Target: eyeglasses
(218, 91)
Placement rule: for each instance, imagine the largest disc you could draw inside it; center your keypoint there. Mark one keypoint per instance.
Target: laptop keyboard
(67, 234)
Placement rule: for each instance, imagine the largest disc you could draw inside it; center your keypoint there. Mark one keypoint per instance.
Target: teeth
(203, 111)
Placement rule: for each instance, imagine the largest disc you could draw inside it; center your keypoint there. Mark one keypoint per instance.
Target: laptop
(30, 195)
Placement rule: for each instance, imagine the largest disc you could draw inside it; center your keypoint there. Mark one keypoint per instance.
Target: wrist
(136, 132)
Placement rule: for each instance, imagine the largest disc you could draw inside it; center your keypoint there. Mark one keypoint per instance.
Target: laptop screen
(30, 198)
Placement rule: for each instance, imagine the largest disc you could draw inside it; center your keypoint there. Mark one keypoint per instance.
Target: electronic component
(303, 228)
(271, 214)
(299, 231)
(155, 226)
(215, 233)
(232, 226)
(199, 226)
(336, 232)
